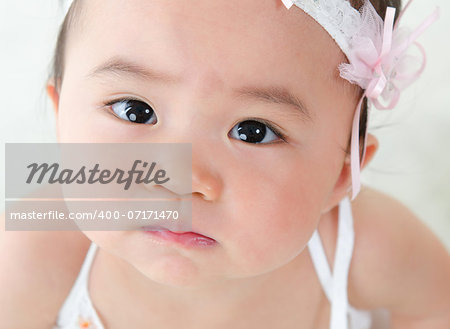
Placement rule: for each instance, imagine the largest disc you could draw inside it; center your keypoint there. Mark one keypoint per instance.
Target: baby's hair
(71, 21)
(74, 17)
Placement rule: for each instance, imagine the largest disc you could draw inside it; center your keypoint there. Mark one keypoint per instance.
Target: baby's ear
(53, 95)
(371, 149)
(343, 185)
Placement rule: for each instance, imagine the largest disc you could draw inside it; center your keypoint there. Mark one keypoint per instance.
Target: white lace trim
(337, 17)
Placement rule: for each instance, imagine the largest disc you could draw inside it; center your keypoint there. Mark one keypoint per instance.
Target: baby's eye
(133, 110)
(252, 131)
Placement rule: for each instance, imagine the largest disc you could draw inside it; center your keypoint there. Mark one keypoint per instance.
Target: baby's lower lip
(188, 239)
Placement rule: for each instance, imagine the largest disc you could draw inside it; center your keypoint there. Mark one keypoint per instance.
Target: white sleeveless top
(78, 312)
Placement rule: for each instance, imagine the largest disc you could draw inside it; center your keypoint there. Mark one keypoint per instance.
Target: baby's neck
(121, 295)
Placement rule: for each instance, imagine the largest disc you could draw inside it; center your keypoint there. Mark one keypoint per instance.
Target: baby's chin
(177, 271)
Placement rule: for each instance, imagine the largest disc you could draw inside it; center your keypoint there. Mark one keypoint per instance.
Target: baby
(256, 89)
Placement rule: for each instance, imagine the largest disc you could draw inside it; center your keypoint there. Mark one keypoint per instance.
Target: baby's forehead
(236, 39)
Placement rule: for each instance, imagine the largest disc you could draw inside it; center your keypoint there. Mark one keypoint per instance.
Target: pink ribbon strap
(372, 76)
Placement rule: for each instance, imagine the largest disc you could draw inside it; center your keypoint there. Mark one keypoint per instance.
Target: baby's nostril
(200, 195)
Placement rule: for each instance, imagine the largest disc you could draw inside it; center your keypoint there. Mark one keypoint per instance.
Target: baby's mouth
(187, 238)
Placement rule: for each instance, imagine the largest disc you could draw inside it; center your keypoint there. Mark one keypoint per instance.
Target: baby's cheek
(274, 223)
(270, 245)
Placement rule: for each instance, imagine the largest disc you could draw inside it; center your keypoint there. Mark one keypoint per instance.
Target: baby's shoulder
(391, 243)
(38, 270)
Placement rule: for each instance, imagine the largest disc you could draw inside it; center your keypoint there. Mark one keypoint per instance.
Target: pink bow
(380, 67)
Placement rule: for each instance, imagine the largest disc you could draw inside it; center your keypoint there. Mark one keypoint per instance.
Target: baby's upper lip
(161, 228)
(154, 228)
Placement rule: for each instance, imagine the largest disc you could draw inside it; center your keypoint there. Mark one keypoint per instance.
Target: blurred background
(412, 163)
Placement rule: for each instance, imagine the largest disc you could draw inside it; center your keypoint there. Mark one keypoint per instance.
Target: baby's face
(211, 64)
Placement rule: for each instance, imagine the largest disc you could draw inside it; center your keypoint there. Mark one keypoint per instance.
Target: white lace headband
(376, 52)
(337, 17)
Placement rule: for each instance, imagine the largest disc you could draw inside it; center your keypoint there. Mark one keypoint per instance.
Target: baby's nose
(191, 171)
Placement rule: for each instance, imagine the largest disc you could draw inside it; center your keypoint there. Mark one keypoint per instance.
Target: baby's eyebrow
(119, 66)
(275, 95)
